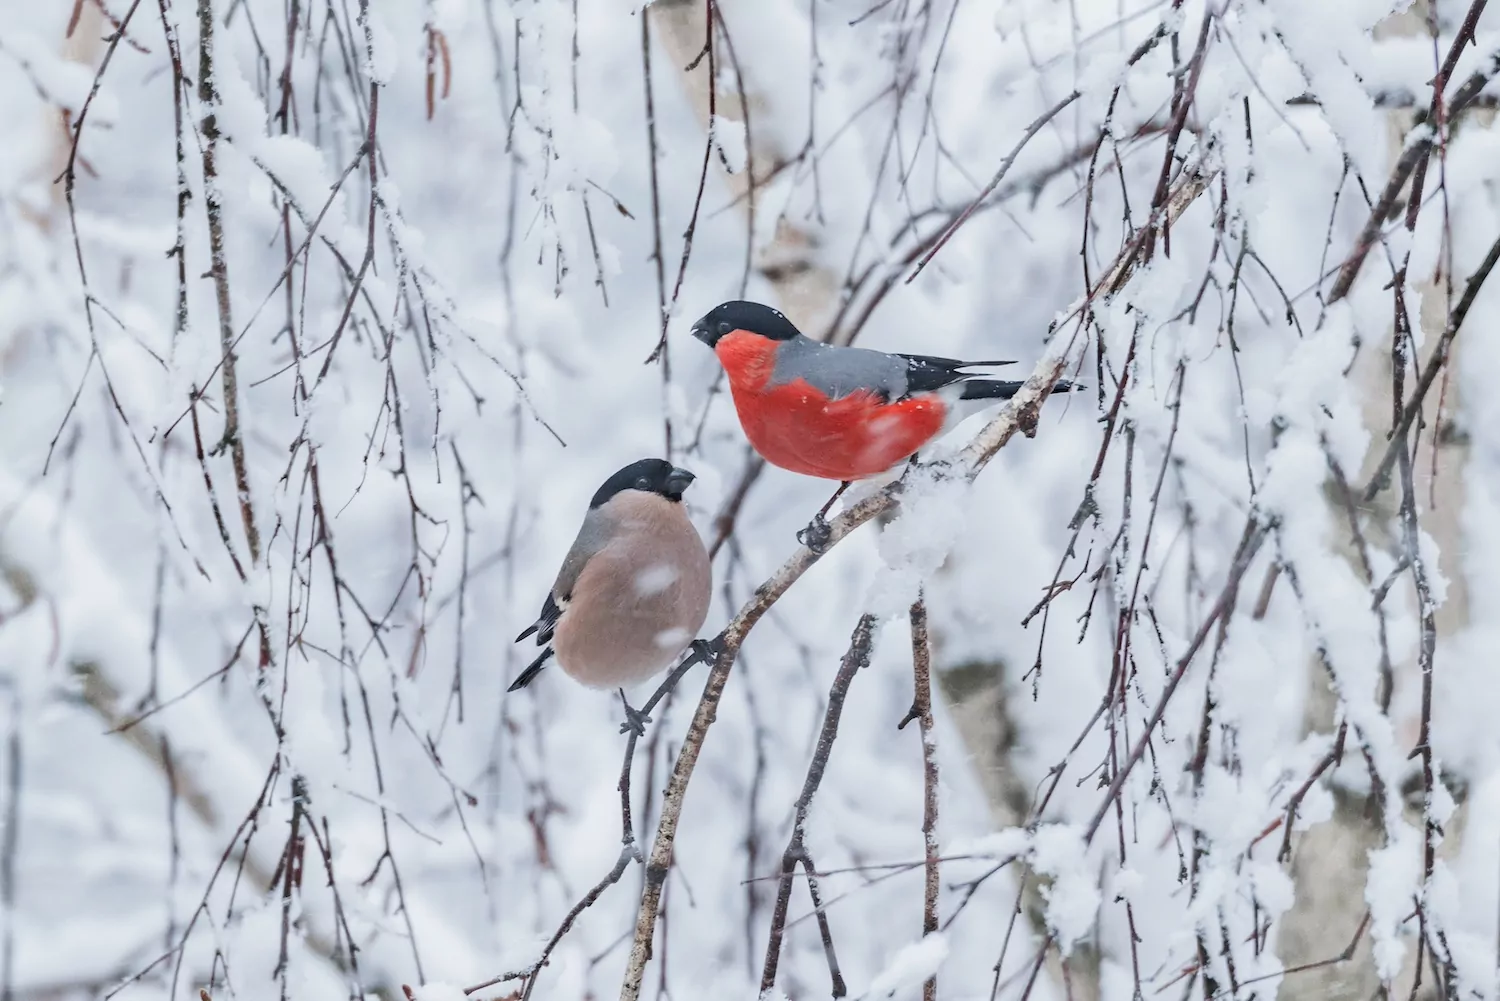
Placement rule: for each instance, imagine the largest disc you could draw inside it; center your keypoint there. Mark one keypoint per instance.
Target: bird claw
(816, 535)
(635, 720)
(707, 651)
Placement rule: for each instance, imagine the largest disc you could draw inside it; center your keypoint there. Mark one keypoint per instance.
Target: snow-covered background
(254, 642)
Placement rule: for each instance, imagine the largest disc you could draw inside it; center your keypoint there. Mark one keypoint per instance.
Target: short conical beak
(678, 480)
(703, 333)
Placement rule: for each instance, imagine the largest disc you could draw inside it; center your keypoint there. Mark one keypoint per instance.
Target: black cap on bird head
(739, 314)
(652, 476)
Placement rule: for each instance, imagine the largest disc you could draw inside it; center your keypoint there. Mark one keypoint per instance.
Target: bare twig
(1185, 89)
(725, 519)
(1031, 130)
(1036, 126)
(628, 850)
(660, 354)
(1418, 145)
(219, 268)
(1435, 363)
(921, 711)
(796, 853)
(1427, 918)
(1250, 543)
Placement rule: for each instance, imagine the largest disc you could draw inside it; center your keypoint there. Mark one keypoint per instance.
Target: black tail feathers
(527, 676)
(999, 389)
(990, 389)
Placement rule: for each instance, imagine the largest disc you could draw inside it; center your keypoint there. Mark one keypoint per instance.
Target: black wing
(544, 626)
(545, 623)
(925, 373)
(527, 676)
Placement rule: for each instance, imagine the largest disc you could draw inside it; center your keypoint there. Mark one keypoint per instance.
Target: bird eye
(643, 484)
(724, 327)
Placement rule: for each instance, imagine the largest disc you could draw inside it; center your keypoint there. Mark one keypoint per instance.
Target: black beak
(678, 480)
(703, 332)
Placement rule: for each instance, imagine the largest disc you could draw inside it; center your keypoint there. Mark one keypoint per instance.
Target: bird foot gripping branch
(635, 719)
(818, 532)
(701, 652)
(817, 535)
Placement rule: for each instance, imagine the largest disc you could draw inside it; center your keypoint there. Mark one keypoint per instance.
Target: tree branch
(1020, 413)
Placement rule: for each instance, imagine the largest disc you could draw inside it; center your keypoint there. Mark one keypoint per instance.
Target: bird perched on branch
(838, 413)
(632, 592)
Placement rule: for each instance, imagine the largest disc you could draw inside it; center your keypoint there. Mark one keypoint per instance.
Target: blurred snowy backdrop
(320, 320)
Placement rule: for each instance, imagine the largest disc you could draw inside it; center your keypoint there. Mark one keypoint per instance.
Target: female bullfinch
(634, 589)
(839, 413)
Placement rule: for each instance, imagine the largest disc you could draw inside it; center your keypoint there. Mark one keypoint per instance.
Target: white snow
(1127, 883)
(62, 80)
(672, 639)
(1395, 876)
(655, 579)
(382, 59)
(910, 966)
(918, 541)
(1072, 896)
(729, 137)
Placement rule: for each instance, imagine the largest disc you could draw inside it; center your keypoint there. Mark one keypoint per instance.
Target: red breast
(796, 426)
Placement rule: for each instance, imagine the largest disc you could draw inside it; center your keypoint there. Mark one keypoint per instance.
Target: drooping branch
(1418, 145)
(1250, 543)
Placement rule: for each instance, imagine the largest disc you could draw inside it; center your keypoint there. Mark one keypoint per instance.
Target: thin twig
(219, 269)
(1250, 543)
(660, 354)
(1417, 146)
(857, 656)
(628, 850)
(921, 711)
(1036, 126)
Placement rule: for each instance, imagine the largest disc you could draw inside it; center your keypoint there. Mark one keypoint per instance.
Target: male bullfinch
(839, 413)
(633, 590)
